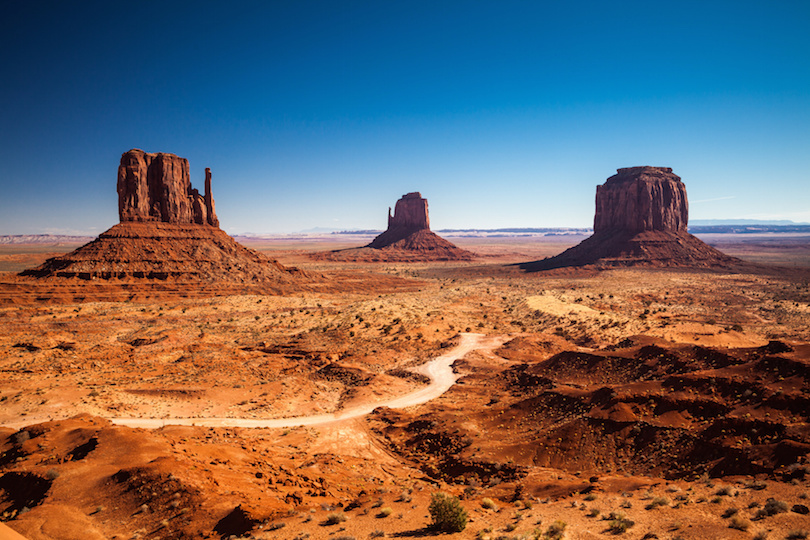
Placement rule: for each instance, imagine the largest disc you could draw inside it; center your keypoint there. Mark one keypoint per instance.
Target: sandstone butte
(641, 220)
(408, 238)
(167, 231)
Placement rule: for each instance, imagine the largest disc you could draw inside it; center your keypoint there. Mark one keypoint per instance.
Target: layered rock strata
(410, 216)
(156, 187)
(407, 239)
(640, 199)
(641, 219)
(168, 232)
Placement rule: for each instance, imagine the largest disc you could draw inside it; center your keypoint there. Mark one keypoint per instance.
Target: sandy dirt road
(439, 371)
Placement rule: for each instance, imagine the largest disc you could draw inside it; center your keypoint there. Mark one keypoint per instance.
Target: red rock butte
(168, 232)
(407, 239)
(641, 220)
(156, 187)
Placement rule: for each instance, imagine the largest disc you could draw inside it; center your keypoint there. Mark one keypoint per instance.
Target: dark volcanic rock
(156, 187)
(641, 218)
(641, 199)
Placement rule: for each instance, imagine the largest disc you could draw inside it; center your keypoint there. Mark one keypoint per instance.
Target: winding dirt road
(439, 370)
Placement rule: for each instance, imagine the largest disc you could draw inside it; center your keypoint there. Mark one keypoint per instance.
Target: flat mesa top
(627, 174)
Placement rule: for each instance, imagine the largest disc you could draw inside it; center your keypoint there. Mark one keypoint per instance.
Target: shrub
(556, 530)
(377, 534)
(335, 517)
(489, 504)
(730, 512)
(590, 497)
(385, 512)
(739, 523)
(798, 534)
(618, 523)
(656, 502)
(772, 507)
(447, 513)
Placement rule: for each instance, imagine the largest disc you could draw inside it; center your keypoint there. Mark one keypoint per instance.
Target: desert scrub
(335, 517)
(556, 530)
(446, 513)
(489, 504)
(798, 534)
(741, 524)
(590, 497)
(729, 513)
(656, 502)
(385, 512)
(618, 523)
(771, 508)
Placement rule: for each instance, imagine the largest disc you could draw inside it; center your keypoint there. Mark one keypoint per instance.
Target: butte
(407, 239)
(641, 218)
(167, 232)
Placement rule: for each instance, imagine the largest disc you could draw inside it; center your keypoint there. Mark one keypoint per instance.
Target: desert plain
(592, 403)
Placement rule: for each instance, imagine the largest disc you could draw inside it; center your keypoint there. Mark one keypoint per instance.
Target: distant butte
(641, 219)
(168, 232)
(407, 239)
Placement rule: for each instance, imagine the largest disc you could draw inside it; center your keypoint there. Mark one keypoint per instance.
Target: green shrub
(447, 513)
(618, 524)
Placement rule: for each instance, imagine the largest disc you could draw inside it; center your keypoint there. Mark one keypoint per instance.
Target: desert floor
(676, 398)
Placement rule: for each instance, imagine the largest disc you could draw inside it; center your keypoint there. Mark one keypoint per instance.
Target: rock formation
(410, 216)
(156, 187)
(641, 218)
(641, 199)
(407, 239)
(168, 231)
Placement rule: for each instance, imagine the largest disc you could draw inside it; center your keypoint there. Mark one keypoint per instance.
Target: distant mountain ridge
(44, 239)
(714, 222)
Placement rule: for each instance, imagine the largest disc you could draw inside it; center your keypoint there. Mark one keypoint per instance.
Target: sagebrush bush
(739, 523)
(447, 513)
(335, 518)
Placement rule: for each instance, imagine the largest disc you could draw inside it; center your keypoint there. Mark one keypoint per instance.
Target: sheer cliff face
(639, 199)
(156, 187)
(410, 212)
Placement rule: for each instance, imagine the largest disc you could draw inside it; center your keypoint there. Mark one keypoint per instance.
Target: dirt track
(439, 370)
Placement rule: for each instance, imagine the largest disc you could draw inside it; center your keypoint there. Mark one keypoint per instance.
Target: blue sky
(322, 114)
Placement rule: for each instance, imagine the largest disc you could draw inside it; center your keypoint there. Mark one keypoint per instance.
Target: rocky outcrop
(407, 239)
(168, 232)
(410, 216)
(640, 199)
(641, 217)
(156, 187)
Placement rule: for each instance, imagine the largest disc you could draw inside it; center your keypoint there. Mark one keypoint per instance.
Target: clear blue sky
(322, 114)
